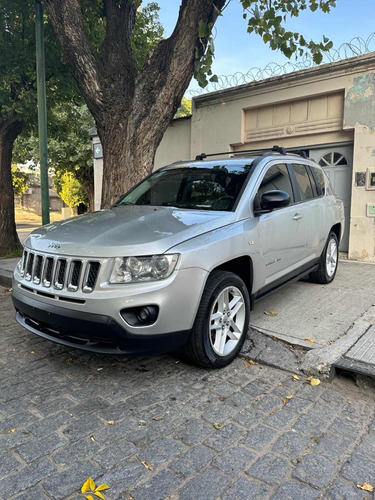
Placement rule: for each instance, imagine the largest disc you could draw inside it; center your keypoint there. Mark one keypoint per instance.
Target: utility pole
(42, 109)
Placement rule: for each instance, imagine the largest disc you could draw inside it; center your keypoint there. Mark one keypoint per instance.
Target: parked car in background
(179, 261)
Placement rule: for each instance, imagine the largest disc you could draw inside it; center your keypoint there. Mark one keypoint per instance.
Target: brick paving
(205, 434)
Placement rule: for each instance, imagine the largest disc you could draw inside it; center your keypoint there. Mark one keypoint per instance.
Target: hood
(125, 230)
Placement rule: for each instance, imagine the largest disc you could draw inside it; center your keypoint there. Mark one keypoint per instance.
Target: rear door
(309, 207)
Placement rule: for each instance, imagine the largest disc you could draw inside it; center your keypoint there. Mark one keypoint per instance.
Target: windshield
(202, 188)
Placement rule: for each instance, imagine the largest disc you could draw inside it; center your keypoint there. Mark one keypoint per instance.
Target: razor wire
(356, 47)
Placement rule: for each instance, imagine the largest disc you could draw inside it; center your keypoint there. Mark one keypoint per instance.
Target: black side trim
(285, 280)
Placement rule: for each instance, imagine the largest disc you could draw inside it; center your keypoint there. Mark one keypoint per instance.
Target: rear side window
(304, 182)
(320, 184)
(276, 177)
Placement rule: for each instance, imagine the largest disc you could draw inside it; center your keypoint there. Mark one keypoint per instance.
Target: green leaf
(202, 29)
(317, 57)
(214, 79)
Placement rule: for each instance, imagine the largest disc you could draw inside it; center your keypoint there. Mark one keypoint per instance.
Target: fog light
(147, 315)
(140, 316)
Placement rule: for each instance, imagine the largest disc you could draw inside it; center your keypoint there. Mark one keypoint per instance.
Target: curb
(5, 278)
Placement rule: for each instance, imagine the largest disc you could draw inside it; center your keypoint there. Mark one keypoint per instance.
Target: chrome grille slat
(74, 275)
(24, 261)
(37, 274)
(91, 275)
(59, 276)
(29, 266)
(63, 273)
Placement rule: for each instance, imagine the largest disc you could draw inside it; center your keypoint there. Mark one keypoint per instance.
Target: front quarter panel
(212, 249)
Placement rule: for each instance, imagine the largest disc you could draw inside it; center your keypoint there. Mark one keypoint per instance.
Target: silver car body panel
(279, 243)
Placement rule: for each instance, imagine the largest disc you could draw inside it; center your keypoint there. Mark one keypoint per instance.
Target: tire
(219, 331)
(327, 269)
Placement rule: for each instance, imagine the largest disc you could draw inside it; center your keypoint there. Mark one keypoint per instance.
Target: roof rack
(267, 151)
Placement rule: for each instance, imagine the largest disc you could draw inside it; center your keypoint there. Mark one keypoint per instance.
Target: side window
(312, 181)
(276, 177)
(304, 183)
(320, 184)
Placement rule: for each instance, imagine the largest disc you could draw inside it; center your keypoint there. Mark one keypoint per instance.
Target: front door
(337, 164)
(281, 233)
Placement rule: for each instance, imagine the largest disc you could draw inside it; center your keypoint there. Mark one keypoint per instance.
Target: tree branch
(117, 46)
(166, 74)
(66, 19)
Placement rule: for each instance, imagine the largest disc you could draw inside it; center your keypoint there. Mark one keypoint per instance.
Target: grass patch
(12, 255)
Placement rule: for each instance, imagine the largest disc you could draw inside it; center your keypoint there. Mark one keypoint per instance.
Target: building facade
(328, 111)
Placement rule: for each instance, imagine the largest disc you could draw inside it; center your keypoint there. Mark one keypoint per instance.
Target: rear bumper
(88, 331)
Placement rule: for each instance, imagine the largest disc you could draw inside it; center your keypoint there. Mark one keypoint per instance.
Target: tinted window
(203, 187)
(312, 181)
(276, 177)
(303, 182)
(319, 176)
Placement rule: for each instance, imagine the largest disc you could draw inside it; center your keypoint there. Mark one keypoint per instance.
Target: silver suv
(179, 261)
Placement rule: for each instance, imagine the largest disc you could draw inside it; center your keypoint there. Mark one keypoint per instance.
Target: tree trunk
(9, 241)
(127, 157)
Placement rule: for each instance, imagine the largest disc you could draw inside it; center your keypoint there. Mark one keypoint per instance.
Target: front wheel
(327, 269)
(221, 323)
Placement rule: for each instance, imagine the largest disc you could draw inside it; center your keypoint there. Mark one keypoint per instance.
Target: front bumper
(93, 321)
(90, 332)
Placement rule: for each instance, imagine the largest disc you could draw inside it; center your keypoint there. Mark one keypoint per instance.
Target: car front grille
(60, 273)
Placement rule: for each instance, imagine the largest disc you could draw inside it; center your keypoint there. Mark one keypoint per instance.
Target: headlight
(151, 268)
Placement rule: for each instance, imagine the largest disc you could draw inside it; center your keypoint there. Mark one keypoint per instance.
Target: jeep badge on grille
(54, 245)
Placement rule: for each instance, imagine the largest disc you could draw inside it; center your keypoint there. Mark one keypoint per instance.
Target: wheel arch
(336, 228)
(243, 267)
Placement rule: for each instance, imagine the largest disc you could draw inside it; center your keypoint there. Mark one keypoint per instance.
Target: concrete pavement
(155, 428)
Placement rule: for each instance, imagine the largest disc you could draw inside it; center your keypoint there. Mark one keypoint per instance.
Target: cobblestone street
(154, 428)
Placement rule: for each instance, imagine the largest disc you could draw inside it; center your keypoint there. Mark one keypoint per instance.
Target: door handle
(297, 216)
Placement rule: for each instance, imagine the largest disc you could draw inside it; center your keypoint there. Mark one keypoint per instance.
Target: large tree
(68, 119)
(18, 106)
(134, 99)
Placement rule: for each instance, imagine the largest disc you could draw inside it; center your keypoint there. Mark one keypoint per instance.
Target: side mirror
(273, 199)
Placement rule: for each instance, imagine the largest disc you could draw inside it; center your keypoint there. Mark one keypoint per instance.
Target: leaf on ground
(68, 360)
(310, 340)
(147, 465)
(99, 495)
(246, 364)
(111, 422)
(92, 438)
(308, 379)
(102, 487)
(217, 425)
(271, 313)
(157, 419)
(366, 487)
(32, 352)
(88, 485)
(10, 431)
(296, 377)
(314, 381)
(89, 497)
(286, 399)
(252, 362)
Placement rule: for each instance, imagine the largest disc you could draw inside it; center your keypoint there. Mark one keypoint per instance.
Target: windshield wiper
(122, 203)
(184, 205)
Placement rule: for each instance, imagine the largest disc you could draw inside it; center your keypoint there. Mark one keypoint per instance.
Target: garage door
(337, 164)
